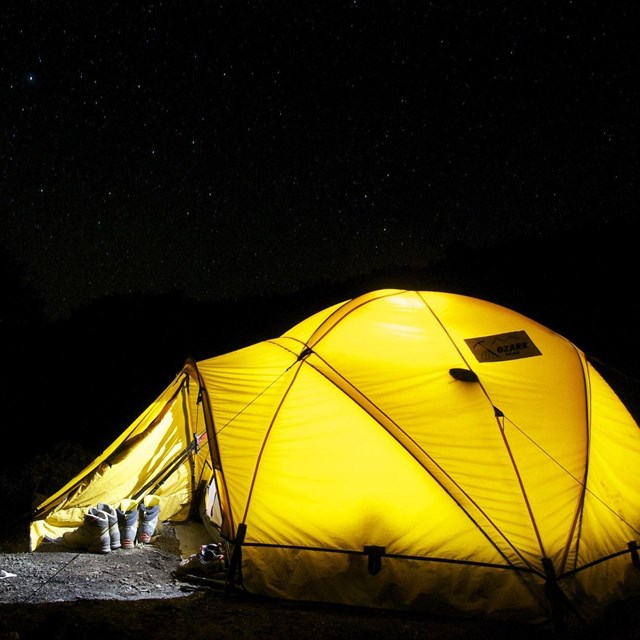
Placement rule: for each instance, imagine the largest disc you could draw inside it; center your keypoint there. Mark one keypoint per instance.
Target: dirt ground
(136, 594)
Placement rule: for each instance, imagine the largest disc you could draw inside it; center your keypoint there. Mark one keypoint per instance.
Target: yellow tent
(405, 449)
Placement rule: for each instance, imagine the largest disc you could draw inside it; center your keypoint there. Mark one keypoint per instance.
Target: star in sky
(243, 150)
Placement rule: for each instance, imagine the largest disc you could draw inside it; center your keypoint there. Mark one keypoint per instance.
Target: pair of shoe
(138, 522)
(208, 561)
(107, 528)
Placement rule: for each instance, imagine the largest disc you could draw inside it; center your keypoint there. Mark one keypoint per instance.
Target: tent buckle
(374, 555)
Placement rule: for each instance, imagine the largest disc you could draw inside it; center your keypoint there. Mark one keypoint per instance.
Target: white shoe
(207, 562)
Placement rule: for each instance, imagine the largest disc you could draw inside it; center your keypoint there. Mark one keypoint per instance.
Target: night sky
(229, 149)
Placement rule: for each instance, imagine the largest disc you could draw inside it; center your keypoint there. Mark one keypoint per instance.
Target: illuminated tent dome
(405, 449)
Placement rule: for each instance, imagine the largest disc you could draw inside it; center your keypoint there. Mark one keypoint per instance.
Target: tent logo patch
(503, 346)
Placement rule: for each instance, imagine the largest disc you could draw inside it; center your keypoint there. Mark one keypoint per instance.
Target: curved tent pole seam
(579, 508)
(302, 358)
(392, 427)
(268, 432)
(197, 483)
(191, 368)
(185, 456)
(306, 350)
(503, 435)
(577, 523)
(210, 424)
(581, 483)
(521, 485)
(165, 472)
(342, 312)
(500, 428)
(191, 432)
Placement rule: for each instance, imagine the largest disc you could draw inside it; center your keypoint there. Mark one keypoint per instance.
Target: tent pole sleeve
(635, 558)
(560, 603)
(191, 368)
(236, 558)
(170, 468)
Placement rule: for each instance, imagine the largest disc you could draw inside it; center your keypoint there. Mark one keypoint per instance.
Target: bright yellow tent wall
(423, 450)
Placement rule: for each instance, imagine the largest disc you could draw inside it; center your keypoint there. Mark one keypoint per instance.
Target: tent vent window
(464, 375)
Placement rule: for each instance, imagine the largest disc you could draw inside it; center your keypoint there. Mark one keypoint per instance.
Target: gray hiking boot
(114, 531)
(92, 535)
(149, 515)
(127, 513)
